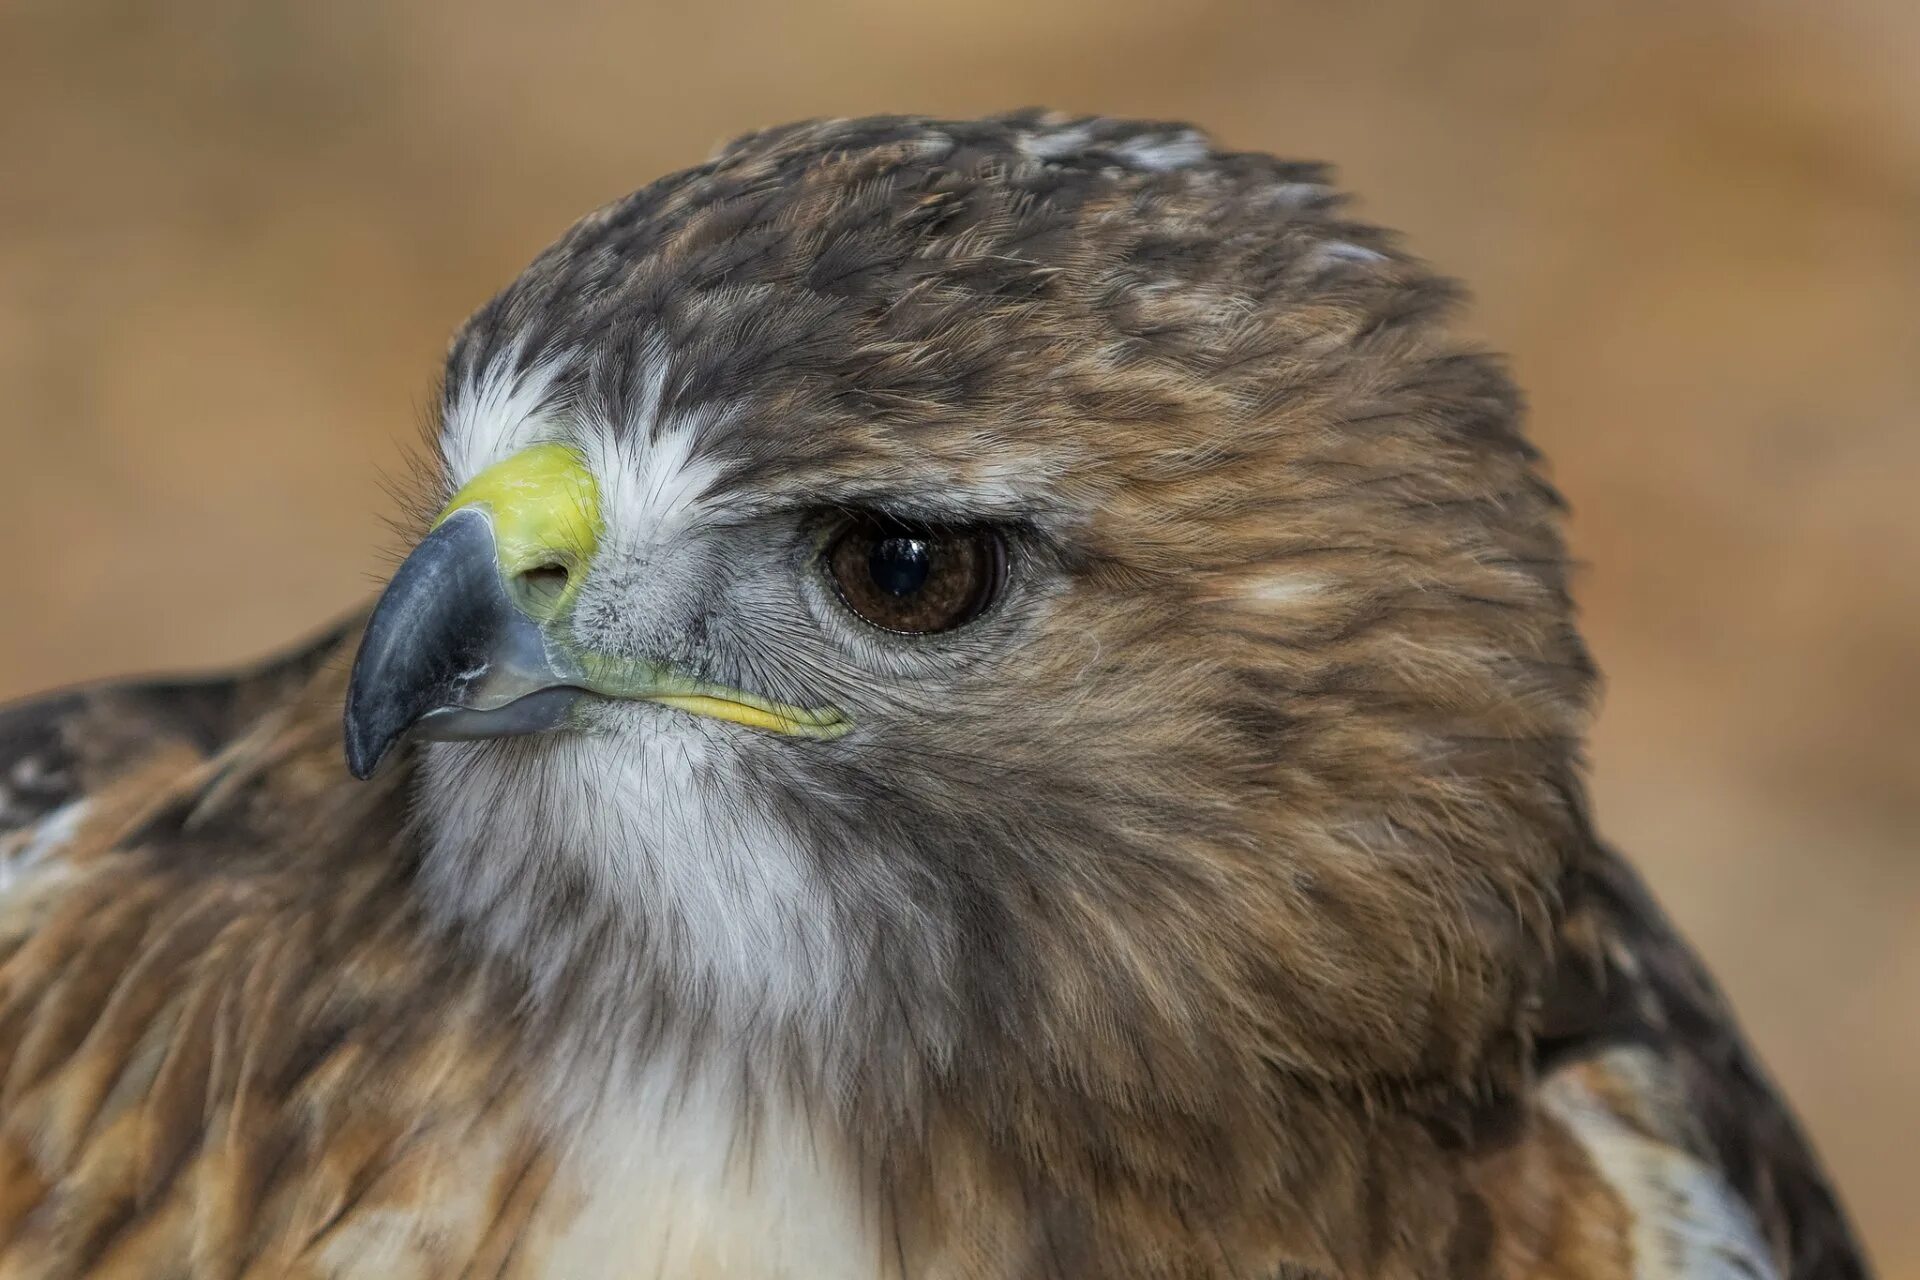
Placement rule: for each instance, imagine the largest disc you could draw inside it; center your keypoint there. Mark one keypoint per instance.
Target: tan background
(234, 237)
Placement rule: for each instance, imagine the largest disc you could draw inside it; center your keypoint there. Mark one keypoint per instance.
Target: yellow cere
(545, 506)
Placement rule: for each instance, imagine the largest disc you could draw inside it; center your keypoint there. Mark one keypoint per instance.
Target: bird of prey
(977, 700)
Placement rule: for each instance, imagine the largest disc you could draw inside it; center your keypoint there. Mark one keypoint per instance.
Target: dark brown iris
(915, 579)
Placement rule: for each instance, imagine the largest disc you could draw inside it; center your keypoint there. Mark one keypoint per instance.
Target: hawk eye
(915, 579)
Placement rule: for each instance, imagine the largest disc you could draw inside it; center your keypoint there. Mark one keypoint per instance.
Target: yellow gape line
(774, 717)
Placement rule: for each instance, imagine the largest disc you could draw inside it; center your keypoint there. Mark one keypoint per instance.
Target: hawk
(989, 699)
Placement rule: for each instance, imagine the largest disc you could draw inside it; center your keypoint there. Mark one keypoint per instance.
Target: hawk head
(1036, 606)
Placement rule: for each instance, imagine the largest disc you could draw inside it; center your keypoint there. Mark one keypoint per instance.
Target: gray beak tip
(364, 749)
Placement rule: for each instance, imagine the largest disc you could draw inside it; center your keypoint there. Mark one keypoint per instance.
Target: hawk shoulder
(227, 1044)
(1675, 1156)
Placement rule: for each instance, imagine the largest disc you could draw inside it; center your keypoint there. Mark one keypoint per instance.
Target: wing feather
(55, 748)
(229, 1045)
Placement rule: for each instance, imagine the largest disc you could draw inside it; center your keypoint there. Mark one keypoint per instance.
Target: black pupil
(899, 565)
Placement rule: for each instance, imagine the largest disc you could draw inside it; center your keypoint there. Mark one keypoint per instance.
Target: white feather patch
(28, 854)
(681, 1184)
(1057, 144)
(1293, 195)
(1282, 589)
(1686, 1222)
(1163, 152)
(650, 481)
(664, 837)
(496, 413)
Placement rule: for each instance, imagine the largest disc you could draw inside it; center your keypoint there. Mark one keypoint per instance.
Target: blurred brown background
(235, 236)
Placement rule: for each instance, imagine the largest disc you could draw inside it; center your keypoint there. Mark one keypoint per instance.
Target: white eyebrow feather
(495, 413)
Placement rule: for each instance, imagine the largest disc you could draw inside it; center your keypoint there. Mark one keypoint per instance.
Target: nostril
(541, 586)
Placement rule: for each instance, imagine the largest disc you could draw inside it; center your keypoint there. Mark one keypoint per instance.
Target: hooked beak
(465, 642)
(448, 655)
